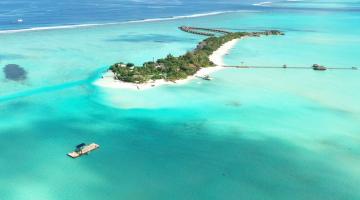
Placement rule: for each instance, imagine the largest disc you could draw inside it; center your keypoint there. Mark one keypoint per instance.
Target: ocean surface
(252, 134)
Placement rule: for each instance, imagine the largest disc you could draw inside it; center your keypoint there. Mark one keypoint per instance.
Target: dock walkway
(286, 67)
(203, 31)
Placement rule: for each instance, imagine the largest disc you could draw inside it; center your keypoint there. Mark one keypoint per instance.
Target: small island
(171, 68)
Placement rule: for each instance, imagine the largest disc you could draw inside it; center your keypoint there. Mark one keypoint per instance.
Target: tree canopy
(173, 68)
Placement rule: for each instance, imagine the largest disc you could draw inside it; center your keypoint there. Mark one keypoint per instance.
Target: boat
(83, 149)
(206, 77)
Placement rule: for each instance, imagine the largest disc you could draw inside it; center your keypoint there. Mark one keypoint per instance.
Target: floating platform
(83, 149)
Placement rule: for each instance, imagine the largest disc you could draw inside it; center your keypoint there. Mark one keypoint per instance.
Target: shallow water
(249, 133)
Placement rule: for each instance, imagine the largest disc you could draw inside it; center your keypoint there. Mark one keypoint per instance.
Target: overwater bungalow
(120, 65)
(319, 67)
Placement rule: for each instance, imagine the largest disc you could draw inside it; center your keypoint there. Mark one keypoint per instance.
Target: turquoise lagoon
(248, 134)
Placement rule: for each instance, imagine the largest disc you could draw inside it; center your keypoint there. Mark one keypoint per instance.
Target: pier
(210, 32)
(203, 31)
(83, 149)
(314, 67)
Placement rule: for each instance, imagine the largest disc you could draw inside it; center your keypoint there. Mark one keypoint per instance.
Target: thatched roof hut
(318, 67)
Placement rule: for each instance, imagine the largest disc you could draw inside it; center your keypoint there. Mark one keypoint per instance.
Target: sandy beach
(216, 57)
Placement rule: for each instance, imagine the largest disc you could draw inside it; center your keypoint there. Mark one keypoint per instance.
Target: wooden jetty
(211, 30)
(314, 67)
(203, 31)
(83, 149)
(193, 31)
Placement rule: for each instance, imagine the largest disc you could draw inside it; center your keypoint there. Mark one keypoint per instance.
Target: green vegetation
(174, 68)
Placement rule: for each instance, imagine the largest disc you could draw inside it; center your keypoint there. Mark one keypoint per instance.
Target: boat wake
(52, 88)
(125, 22)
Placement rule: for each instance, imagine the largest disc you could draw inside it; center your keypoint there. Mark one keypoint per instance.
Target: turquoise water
(318, 4)
(248, 134)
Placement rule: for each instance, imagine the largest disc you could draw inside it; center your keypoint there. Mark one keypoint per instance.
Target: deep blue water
(44, 13)
(41, 13)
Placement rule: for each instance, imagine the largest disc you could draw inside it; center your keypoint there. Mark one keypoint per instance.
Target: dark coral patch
(14, 72)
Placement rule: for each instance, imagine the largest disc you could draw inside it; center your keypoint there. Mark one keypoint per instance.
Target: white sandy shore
(216, 57)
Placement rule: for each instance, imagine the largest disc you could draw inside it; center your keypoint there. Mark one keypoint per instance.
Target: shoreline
(217, 57)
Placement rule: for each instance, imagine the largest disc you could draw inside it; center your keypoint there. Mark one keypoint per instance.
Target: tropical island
(171, 68)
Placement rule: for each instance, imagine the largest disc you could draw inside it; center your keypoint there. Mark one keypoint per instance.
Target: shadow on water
(233, 104)
(11, 56)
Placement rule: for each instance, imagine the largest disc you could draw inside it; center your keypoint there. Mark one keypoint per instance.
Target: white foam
(126, 22)
(264, 3)
(47, 28)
